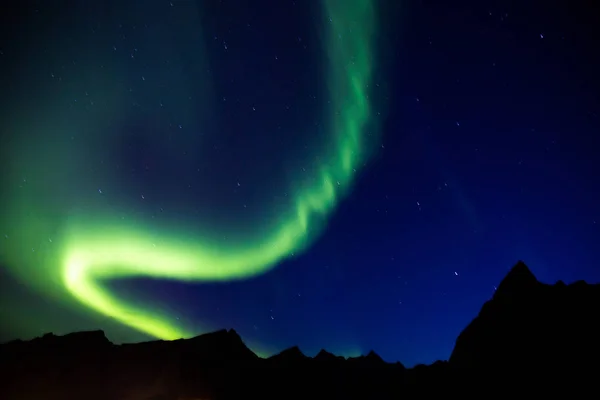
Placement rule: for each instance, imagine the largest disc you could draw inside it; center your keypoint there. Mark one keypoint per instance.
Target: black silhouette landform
(529, 334)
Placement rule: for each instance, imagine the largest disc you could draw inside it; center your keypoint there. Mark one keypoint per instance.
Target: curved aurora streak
(116, 251)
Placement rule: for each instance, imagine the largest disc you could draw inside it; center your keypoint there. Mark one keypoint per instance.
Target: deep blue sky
(488, 155)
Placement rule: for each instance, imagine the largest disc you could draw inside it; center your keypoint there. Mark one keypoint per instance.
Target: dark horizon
(519, 279)
(527, 326)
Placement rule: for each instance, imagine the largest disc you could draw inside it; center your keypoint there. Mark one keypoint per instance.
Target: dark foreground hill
(528, 335)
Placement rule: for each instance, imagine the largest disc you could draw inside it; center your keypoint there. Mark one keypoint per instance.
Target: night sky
(339, 174)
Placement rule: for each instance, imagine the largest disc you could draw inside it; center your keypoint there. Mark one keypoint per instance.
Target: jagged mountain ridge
(527, 320)
(525, 326)
(218, 346)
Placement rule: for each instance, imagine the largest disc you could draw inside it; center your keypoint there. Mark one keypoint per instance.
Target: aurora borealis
(348, 175)
(91, 248)
(121, 253)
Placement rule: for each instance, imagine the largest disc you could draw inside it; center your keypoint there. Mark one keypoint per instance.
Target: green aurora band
(95, 250)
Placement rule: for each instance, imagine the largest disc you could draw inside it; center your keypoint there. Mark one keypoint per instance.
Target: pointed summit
(288, 358)
(324, 355)
(328, 358)
(374, 357)
(289, 355)
(223, 344)
(234, 336)
(518, 280)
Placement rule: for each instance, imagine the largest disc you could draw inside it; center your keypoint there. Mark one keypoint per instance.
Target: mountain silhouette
(530, 326)
(519, 280)
(288, 357)
(325, 356)
(529, 334)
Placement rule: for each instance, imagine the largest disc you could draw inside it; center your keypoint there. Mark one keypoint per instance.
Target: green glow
(95, 250)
